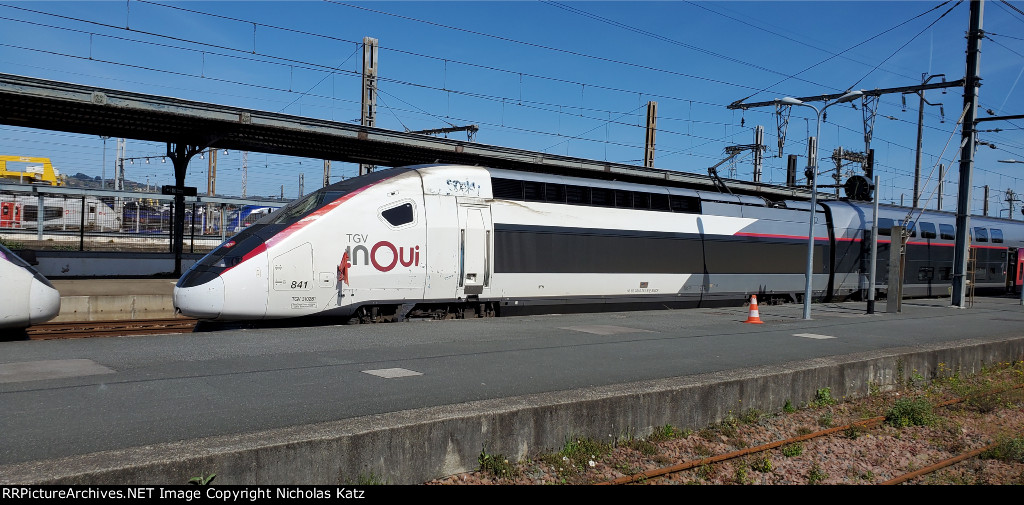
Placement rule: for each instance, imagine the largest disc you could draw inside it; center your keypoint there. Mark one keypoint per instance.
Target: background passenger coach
(445, 241)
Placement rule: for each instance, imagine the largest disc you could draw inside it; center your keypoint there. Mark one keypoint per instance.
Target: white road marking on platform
(606, 330)
(50, 369)
(812, 335)
(392, 373)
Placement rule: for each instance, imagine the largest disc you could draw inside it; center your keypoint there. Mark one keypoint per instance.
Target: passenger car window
(397, 216)
(659, 202)
(947, 232)
(507, 188)
(534, 191)
(981, 234)
(928, 230)
(577, 195)
(554, 193)
(641, 200)
(912, 226)
(997, 236)
(602, 197)
(884, 226)
(623, 199)
(687, 204)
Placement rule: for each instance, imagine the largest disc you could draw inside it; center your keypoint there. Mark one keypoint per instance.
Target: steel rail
(88, 329)
(871, 422)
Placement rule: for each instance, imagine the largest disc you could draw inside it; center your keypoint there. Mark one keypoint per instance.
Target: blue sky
(571, 78)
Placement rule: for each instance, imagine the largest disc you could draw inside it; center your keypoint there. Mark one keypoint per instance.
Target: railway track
(963, 430)
(90, 329)
(865, 424)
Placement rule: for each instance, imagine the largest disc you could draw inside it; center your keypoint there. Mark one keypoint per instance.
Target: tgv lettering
(379, 258)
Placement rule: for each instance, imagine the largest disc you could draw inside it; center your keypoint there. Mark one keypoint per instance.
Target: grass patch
(576, 455)
(496, 464)
(762, 464)
(752, 416)
(826, 421)
(816, 475)
(741, 474)
(664, 433)
(705, 472)
(793, 450)
(855, 431)
(823, 398)
(202, 480)
(14, 245)
(910, 412)
(1008, 450)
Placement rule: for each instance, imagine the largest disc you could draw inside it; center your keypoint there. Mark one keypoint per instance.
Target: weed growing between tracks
(925, 422)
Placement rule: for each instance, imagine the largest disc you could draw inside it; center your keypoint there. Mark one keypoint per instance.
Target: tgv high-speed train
(447, 241)
(27, 297)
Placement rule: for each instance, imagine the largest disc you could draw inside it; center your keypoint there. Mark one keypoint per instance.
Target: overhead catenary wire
(290, 61)
(705, 7)
(481, 96)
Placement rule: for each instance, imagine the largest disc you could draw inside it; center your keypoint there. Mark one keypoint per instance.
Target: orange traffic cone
(753, 317)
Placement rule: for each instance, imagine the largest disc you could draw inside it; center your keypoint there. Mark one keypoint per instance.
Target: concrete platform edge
(413, 446)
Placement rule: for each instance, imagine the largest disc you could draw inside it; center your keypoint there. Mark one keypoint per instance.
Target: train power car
(450, 241)
(27, 297)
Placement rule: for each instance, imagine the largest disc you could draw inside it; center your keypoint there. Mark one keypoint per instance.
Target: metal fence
(65, 219)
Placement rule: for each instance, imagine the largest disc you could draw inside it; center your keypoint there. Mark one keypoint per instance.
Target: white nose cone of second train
(27, 298)
(44, 303)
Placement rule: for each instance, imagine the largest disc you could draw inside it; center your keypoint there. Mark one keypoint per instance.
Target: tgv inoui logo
(384, 255)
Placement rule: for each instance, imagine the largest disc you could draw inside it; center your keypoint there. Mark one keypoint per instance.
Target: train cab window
(980, 234)
(641, 200)
(928, 230)
(884, 226)
(578, 195)
(533, 191)
(947, 232)
(507, 188)
(602, 197)
(623, 199)
(997, 236)
(554, 193)
(687, 204)
(304, 206)
(659, 202)
(397, 216)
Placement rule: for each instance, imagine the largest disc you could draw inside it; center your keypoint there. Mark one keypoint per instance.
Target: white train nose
(44, 302)
(205, 301)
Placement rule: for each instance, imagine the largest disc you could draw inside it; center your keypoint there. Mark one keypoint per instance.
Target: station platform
(115, 299)
(415, 401)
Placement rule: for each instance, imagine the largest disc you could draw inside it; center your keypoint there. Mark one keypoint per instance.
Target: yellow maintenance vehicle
(30, 170)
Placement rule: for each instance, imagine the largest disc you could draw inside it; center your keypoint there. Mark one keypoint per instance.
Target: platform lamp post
(812, 163)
